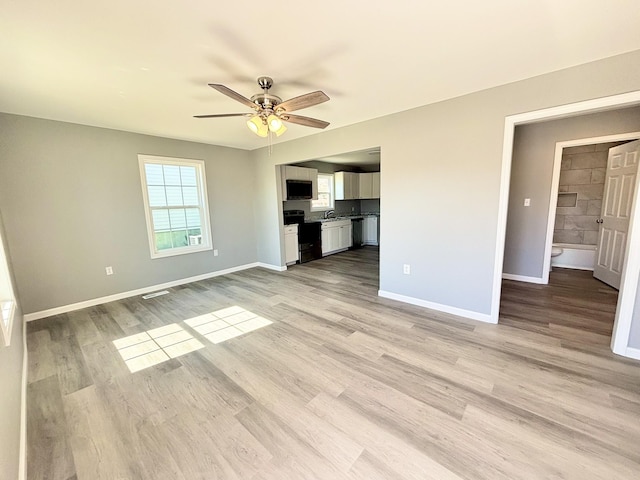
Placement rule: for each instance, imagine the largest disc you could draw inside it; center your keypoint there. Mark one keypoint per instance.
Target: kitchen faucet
(329, 213)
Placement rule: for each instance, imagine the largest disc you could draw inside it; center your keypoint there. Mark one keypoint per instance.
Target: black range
(309, 235)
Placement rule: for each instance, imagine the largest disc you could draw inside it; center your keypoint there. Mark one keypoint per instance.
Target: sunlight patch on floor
(152, 347)
(226, 323)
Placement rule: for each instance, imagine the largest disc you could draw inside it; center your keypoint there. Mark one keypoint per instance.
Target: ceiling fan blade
(303, 101)
(306, 121)
(220, 115)
(235, 95)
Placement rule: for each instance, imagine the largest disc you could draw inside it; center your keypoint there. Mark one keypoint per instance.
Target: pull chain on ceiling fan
(270, 111)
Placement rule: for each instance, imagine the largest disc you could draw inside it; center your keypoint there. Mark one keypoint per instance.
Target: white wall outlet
(215, 253)
(527, 202)
(109, 270)
(406, 269)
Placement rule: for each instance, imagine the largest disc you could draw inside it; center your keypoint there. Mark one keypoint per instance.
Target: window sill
(180, 251)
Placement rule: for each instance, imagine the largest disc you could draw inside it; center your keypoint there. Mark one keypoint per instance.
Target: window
(175, 199)
(325, 193)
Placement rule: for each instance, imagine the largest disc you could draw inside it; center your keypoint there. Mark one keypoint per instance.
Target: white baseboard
(632, 353)
(523, 278)
(29, 317)
(482, 317)
(22, 462)
(276, 268)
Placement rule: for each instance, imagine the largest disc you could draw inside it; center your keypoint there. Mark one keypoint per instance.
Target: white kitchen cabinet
(366, 185)
(345, 237)
(347, 185)
(370, 231)
(291, 172)
(375, 187)
(291, 244)
(336, 236)
(369, 184)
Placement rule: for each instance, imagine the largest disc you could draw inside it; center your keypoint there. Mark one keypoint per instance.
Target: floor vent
(155, 294)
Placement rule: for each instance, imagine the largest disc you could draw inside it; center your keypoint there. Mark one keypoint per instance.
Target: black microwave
(299, 190)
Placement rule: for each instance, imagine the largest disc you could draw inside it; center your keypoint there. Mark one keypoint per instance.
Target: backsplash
(342, 207)
(370, 206)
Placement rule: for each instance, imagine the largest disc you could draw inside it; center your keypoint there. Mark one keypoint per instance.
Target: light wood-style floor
(342, 385)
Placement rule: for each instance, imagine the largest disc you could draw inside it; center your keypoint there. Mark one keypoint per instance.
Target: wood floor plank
(342, 385)
(46, 421)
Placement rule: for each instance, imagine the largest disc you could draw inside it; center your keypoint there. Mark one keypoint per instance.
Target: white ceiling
(143, 65)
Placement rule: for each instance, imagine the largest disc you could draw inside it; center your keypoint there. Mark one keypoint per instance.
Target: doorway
(555, 185)
(631, 272)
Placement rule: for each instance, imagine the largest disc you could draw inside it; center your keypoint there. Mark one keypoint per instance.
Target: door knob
(599, 220)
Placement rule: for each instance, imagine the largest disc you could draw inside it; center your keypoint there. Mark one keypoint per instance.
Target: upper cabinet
(375, 193)
(347, 185)
(354, 186)
(290, 172)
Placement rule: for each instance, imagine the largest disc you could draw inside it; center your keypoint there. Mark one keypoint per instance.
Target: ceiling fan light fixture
(274, 123)
(281, 130)
(257, 126)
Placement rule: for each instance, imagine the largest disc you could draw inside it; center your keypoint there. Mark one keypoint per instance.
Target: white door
(619, 187)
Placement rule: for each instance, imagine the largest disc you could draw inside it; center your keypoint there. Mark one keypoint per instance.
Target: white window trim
(7, 297)
(333, 195)
(207, 242)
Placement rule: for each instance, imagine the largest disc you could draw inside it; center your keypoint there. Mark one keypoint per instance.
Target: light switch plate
(527, 202)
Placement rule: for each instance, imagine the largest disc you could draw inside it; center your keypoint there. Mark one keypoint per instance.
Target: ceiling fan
(270, 111)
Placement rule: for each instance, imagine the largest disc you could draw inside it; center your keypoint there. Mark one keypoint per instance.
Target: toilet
(555, 251)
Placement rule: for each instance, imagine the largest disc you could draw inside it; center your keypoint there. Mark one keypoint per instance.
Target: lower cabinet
(291, 244)
(370, 231)
(336, 236)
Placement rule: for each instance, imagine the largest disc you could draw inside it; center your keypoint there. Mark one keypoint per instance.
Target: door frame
(555, 186)
(631, 270)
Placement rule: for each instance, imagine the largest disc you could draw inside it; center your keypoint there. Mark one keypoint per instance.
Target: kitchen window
(325, 199)
(176, 208)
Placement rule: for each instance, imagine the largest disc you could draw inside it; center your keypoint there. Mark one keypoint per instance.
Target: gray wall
(440, 180)
(72, 204)
(531, 175)
(11, 393)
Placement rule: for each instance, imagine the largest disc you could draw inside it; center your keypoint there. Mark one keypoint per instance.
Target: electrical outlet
(527, 202)
(215, 253)
(406, 269)
(109, 270)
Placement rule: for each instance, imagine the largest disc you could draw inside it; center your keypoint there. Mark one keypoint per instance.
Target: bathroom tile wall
(580, 193)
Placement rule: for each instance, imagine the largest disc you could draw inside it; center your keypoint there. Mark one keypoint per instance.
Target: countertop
(341, 217)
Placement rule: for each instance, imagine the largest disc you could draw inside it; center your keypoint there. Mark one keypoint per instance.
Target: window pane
(178, 219)
(160, 220)
(323, 184)
(163, 240)
(174, 196)
(180, 238)
(154, 174)
(190, 195)
(193, 217)
(323, 200)
(171, 175)
(157, 197)
(188, 175)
